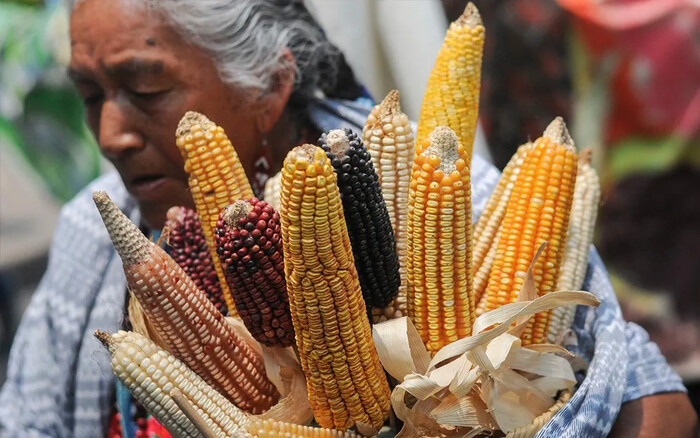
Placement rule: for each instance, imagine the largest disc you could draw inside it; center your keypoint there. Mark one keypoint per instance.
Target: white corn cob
(486, 230)
(579, 238)
(277, 429)
(150, 373)
(388, 136)
(271, 194)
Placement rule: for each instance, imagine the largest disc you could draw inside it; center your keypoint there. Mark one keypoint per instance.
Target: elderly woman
(264, 71)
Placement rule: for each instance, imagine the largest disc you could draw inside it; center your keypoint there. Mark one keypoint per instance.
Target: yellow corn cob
(578, 242)
(537, 211)
(150, 374)
(345, 380)
(438, 250)
(487, 228)
(275, 429)
(389, 138)
(216, 178)
(271, 194)
(194, 330)
(452, 94)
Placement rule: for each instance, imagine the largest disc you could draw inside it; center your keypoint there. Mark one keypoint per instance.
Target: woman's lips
(150, 188)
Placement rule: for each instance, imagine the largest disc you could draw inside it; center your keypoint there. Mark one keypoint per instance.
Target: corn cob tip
(470, 17)
(585, 157)
(558, 133)
(105, 338)
(189, 120)
(390, 105)
(338, 142)
(174, 213)
(304, 152)
(130, 243)
(445, 145)
(234, 212)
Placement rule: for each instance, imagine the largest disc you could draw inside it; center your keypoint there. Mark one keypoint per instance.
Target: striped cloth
(59, 381)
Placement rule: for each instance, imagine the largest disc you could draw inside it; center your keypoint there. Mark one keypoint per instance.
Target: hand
(661, 415)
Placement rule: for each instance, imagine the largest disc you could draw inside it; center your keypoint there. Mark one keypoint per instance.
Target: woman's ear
(273, 104)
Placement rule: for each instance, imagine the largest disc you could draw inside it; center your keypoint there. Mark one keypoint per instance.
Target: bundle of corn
(249, 244)
(452, 95)
(389, 138)
(216, 177)
(368, 223)
(538, 211)
(150, 374)
(271, 194)
(488, 227)
(189, 248)
(346, 382)
(438, 250)
(194, 330)
(584, 210)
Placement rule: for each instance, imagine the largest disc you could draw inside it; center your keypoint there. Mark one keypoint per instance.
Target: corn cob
(189, 248)
(487, 228)
(271, 194)
(150, 374)
(216, 177)
(196, 333)
(389, 138)
(368, 223)
(345, 380)
(249, 244)
(452, 95)
(578, 241)
(537, 211)
(274, 429)
(438, 251)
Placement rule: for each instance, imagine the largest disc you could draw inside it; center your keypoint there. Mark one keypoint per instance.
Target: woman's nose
(117, 133)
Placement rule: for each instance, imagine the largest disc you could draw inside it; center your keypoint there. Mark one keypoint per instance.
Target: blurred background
(625, 74)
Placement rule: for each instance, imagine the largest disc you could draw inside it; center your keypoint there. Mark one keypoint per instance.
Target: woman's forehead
(115, 31)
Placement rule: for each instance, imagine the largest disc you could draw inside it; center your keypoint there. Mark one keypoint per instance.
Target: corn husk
(284, 370)
(481, 383)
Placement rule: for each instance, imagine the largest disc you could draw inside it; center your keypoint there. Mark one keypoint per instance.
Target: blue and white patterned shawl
(59, 381)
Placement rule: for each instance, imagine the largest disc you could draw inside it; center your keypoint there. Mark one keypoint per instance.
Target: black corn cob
(366, 215)
(249, 244)
(189, 249)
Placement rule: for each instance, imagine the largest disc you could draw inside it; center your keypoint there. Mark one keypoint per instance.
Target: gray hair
(247, 39)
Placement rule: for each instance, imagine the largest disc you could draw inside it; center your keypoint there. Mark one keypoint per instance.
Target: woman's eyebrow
(133, 66)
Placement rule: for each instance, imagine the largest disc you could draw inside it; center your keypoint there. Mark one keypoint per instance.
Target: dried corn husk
(481, 383)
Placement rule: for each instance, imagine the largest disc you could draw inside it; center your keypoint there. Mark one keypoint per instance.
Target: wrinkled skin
(137, 78)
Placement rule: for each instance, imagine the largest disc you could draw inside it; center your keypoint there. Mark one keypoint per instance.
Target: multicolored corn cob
(488, 227)
(366, 215)
(438, 250)
(452, 94)
(345, 380)
(195, 331)
(189, 248)
(537, 211)
(249, 244)
(578, 242)
(150, 374)
(216, 177)
(271, 194)
(388, 137)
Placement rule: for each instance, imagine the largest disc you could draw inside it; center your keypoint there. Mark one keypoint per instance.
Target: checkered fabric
(59, 381)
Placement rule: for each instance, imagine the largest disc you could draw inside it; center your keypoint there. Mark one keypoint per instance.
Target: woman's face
(137, 78)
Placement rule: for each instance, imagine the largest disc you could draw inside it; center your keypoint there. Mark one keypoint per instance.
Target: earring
(262, 168)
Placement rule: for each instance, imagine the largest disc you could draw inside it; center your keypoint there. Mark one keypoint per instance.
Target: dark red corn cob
(249, 244)
(189, 249)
